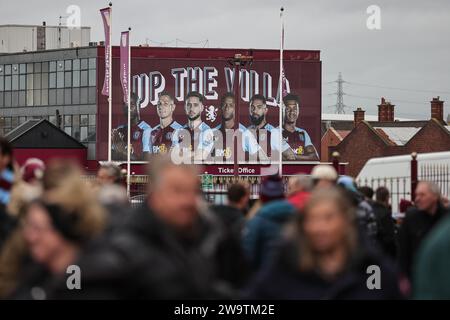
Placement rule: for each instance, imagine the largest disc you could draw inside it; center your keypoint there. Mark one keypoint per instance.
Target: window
(30, 82)
(76, 96)
(30, 68)
(92, 95)
(92, 79)
(76, 64)
(52, 119)
(60, 80)
(52, 97)
(92, 63)
(22, 98)
(44, 79)
(7, 99)
(84, 78)
(15, 82)
(15, 98)
(14, 122)
(60, 66)
(68, 120)
(76, 78)
(52, 80)
(84, 64)
(44, 97)
(2, 83)
(67, 96)
(92, 119)
(52, 66)
(8, 69)
(68, 79)
(60, 96)
(84, 120)
(7, 83)
(68, 65)
(68, 130)
(15, 69)
(83, 134)
(84, 96)
(22, 68)
(30, 101)
(91, 134)
(22, 82)
(37, 97)
(37, 67)
(22, 119)
(37, 80)
(45, 66)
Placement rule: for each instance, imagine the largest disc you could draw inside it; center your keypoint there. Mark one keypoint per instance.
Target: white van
(395, 174)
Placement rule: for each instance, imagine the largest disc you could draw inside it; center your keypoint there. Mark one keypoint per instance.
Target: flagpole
(129, 116)
(110, 85)
(280, 170)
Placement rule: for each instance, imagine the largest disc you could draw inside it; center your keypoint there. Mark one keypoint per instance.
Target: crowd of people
(318, 237)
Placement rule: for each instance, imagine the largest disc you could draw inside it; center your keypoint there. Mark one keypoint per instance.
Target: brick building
(387, 137)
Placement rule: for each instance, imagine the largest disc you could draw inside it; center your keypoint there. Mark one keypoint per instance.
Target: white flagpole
(280, 170)
(129, 115)
(110, 85)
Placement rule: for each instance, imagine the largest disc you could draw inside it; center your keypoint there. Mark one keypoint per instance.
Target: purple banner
(106, 17)
(124, 63)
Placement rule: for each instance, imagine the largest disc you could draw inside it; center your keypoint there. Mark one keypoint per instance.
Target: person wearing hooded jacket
(262, 232)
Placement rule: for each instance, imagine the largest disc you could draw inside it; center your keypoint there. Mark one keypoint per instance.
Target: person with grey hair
(419, 221)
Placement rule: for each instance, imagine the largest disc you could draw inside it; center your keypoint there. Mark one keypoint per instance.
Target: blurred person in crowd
(364, 212)
(263, 230)
(299, 190)
(140, 133)
(321, 257)
(323, 176)
(109, 174)
(56, 228)
(385, 223)
(298, 140)
(418, 222)
(367, 192)
(14, 253)
(431, 278)
(233, 213)
(6, 183)
(445, 202)
(169, 248)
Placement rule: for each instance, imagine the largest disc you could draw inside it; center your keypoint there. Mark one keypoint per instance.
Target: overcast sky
(411, 51)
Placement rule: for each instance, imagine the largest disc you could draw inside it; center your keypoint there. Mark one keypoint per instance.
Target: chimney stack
(385, 111)
(437, 109)
(358, 116)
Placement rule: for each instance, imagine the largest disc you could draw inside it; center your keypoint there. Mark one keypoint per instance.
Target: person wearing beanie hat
(272, 188)
(263, 231)
(324, 176)
(33, 170)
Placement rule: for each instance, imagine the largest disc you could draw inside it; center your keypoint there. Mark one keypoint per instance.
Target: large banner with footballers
(182, 99)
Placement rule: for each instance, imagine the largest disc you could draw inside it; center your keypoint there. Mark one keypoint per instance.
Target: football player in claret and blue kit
(298, 140)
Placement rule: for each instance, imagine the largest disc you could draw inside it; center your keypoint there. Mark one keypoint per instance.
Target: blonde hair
(308, 258)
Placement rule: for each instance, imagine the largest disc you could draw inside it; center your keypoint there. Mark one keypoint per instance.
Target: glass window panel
(37, 67)
(15, 82)
(60, 65)
(22, 82)
(68, 130)
(60, 80)
(8, 69)
(76, 120)
(22, 68)
(37, 97)
(84, 64)
(52, 80)
(15, 98)
(7, 121)
(52, 119)
(76, 64)
(68, 65)
(84, 96)
(30, 101)
(76, 96)
(8, 99)
(91, 133)
(22, 98)
(92, 79)
(76, 132)
(44, 97)
(2, 70)
(92, 63)
(45, 66)
(83, 134)
(2, 101)
(76, 78)
(7, 83)
(84, 78)
(30, 85)
(14, 122)
(44, 81)
(84, 120)
(92, 95)
(30, 68)
(68, 79)
(92, 119)
(15, 69)
(52, 97)
(68, 120)
(67, 96)
(60, 96)
(37, 81)
(2, 83)
(52, 66)
(22, 119)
